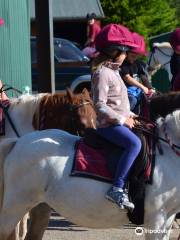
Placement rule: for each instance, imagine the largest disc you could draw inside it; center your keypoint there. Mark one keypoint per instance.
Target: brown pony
(70, 112)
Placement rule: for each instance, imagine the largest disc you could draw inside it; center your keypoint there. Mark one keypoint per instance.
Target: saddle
(95, 158)
(96, 150)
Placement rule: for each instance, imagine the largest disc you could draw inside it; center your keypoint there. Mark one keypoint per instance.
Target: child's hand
(145, 90)
(151, 91)
(130, 122)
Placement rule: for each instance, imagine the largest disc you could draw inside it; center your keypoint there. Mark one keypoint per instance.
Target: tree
(176, 4)
(147, 17)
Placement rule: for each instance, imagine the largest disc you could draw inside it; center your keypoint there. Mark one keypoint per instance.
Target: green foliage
(176, 4)
(147, 17)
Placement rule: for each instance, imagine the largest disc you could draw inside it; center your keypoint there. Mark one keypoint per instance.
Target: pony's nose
(84, 122)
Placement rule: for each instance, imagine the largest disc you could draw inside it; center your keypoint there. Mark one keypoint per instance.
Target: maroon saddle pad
(90, 162)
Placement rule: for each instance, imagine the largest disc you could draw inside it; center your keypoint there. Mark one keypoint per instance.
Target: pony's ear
(85, 92)
(69, 94)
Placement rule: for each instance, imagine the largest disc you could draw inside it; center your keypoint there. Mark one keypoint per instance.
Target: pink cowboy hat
(114, 34)
(139, 40)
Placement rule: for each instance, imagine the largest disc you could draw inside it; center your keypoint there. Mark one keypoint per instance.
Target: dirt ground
(60, 229)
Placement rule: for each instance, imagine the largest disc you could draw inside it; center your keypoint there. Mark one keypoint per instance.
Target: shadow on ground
(58, 223)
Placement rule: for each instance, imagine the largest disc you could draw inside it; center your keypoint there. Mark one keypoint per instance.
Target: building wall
(15, 64)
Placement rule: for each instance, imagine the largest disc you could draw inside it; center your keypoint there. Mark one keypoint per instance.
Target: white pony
(160, 57)
(37, 168)
(21, 112)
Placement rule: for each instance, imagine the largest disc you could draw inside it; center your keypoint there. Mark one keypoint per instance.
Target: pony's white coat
(161, 57)
(21, 111)
(37, 170)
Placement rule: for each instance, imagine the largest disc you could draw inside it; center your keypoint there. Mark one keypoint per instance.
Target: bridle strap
(79, 105)
(168, 140)
(161, 51)
(6, 87)
(152, 55)
(74, 107)
(5, 109)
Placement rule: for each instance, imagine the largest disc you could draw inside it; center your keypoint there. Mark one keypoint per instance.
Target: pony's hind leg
(12, 211)
(39, 218)
(22, 227)
(9, 227)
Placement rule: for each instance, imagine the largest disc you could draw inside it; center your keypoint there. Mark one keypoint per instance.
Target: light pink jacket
(110, 96)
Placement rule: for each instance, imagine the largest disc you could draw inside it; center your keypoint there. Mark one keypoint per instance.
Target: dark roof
(72, 9)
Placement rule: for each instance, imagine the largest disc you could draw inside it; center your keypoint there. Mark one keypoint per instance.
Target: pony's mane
(55, 109)
(172, 122)
(24, 99)
(164, 104)
(162, 45)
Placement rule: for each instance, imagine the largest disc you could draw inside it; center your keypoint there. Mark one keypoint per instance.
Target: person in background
(114, 118)
(134, 74)
(175, 59)
(93, 28)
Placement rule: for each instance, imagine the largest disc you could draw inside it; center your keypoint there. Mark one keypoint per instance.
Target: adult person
(134, 74)
(175, 59)
(93, 28)
(114, 118)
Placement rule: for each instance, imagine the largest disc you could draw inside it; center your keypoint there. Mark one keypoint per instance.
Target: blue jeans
(125, 138)
(132, 101)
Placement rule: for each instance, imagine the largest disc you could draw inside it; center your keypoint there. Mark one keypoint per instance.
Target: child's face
(132, 57)
(120, 58)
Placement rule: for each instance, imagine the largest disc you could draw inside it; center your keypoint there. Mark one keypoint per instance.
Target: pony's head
(170, 126)
(67, 111)
(160, 57)
(163, 104)
(81, 111)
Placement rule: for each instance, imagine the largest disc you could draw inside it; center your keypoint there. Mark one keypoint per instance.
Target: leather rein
(146, 126)
(5, 108)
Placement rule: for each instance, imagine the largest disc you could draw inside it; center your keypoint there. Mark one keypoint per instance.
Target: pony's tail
(6, 146)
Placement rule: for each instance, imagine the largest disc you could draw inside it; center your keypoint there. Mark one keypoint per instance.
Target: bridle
(5, 107)
(173, 146)
(153, 57)
(73, 108)
(148, 130)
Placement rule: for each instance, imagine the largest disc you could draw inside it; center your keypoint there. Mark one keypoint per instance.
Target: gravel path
(64, 230)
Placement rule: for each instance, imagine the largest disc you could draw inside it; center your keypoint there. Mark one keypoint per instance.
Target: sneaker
(118, 196)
